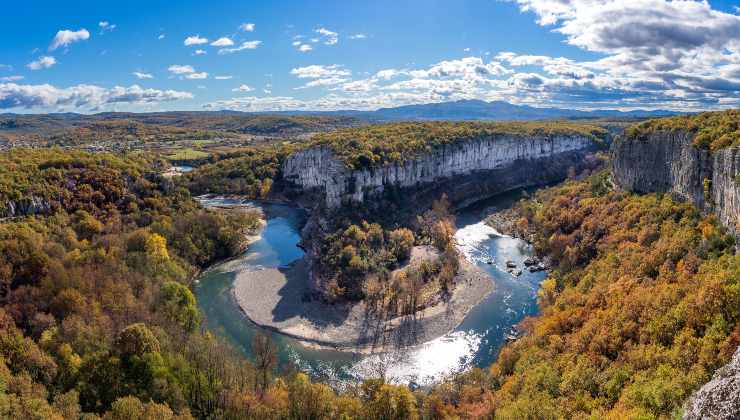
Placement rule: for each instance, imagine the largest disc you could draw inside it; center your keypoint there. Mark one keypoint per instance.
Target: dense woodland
(97, 315)
(124, 128)
(711, 130)
(365, 260)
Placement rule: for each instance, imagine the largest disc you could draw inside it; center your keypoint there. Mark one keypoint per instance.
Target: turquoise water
(474, 343)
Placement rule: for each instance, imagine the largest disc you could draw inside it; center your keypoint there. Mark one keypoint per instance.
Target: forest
(710, 130)
(98, 319)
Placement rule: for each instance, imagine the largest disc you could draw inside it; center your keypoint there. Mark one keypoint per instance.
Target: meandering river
(474, 343)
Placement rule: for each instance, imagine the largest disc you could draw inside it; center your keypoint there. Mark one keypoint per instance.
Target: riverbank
(274, 298)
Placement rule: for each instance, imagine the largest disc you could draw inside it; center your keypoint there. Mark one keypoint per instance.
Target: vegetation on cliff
(251, 173)
(378, 145)
(642, 306)
(711, 130)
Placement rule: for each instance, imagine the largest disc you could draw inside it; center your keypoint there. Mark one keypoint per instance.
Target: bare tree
(265, 359)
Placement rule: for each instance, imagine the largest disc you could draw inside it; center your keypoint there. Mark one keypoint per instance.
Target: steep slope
(463, 161)
(693, 158)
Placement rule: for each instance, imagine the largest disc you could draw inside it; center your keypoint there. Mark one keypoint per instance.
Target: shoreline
(272, 298)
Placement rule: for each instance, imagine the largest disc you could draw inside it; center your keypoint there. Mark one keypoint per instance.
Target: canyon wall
(668, 162)
(466, 171)
(538, 159)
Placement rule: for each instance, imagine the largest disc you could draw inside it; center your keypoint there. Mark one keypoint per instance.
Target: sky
(93, 56)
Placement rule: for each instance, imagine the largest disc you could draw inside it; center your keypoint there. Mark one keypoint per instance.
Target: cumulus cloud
(161, 36)
(222, 42)
(242, 88)
(303, 47)
(187, 71)
(320, 71)
(80, 97)
(330, 37)
(181, 69)
(358, 36)
(645, 35)
(195, 40)
(199, 52)
(43, 62)
(11, 78)
(225, 77)
(246, 45)
(247, 27)
(468, 67)
(66, 37)
(139, 75)
(197, 75)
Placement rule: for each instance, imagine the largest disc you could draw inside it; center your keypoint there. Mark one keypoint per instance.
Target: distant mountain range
(482, 110)
(457, 110)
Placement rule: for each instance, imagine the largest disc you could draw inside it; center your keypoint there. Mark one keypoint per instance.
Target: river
(475, 342)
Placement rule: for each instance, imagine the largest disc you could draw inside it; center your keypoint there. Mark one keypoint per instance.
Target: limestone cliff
(544, 158)
(467, 171)
(668, 162)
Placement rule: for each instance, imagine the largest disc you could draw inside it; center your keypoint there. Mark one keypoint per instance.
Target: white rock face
(317, 168)
(668, 162)
(718, 399)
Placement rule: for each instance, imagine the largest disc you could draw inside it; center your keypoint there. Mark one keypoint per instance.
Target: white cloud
(106, 26)
(246, 45)
(387, 74)
(330, 37)
(222, 42)
(11, 78)
(358, 36)
(304, 47)
(181, 69)
(223, 77)
(329, 81)
(197, 76)
(200, 52)
(66, 37)
(80, 97)
(320, 71)
(468, 67)
(139, 75)
(195, 40)
(187, 72)
(43, 62)
(242, 88)
(247, 27)
(161, 36)
(322, 75)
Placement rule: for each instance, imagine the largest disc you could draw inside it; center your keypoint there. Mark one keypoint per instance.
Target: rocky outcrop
(718, 399)
(24, 207)
(668, 162)
(543, 159)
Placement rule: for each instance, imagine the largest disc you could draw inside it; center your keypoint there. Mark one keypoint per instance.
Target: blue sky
(93, 56)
